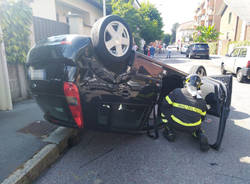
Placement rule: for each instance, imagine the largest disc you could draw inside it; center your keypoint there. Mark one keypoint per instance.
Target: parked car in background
(238, 62)
(200, 50)
(100, 83)
(184, 49)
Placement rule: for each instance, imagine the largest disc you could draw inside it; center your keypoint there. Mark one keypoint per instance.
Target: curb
(31, 169)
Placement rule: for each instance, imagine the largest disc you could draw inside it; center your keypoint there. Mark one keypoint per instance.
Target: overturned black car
(98, 82)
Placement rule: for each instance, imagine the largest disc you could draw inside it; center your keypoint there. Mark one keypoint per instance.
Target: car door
(240, 61)
(229, 61)
(217, 91)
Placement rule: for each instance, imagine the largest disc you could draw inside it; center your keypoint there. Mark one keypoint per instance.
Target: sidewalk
(28, 143)
(17, 147)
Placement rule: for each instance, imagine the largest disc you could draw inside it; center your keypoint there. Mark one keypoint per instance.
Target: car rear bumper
(246, 72)
(200, 54)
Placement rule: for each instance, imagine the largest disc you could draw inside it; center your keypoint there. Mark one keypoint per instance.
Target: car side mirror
(227, 55)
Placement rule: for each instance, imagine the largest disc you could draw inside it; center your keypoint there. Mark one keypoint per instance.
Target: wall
(17, 81)
(44, 8)
(94, 12)
(217, 18)
(239, 30)
(5, 95)
(88, 14)
(228, 28)
(247, 36)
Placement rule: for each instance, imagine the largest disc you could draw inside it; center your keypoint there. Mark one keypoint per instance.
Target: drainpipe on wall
(5, 95)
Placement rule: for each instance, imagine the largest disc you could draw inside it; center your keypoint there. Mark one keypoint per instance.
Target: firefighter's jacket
(181, 107)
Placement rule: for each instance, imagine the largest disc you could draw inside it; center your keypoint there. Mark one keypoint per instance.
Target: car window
(243, 52)
(235, 52)
(198, 46)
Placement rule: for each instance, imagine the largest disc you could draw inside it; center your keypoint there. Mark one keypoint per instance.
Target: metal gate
(44, 28)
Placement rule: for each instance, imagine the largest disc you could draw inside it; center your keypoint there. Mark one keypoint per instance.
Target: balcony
(210, 11)
(210, 17)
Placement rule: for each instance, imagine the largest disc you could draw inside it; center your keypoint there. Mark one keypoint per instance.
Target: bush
(213, 46)
(234, 44)
(16, 17)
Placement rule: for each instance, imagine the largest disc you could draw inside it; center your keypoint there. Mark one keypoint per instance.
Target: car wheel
(239, 76)
(198, 69)
(223, 71)
(112, 40)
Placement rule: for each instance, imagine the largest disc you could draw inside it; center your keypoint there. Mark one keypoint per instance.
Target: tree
(109, 5)
(206, 34)
(145, 22)
(167, 38)
(15, 22)
(126, 11)
(151, 23)
(173, 30)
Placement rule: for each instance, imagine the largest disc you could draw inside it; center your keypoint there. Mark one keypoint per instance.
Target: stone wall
(18, 81)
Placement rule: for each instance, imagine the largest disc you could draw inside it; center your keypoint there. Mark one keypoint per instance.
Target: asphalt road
(128, 159)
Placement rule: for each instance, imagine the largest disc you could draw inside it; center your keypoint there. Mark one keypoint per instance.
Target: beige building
(235, 23)
(79, 14)
(184, 33)
(206, 13)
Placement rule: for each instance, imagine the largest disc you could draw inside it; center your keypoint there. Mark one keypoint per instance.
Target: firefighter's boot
(169, 134)
(204, 146)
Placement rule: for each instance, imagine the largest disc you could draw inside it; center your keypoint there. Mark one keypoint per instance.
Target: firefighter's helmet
(194, 80)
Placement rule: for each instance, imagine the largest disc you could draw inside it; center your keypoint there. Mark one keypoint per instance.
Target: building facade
(184, 33)
(80, 15)
(235, 23)
(206, 14)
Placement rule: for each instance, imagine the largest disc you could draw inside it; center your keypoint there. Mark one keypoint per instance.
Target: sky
(173, 11)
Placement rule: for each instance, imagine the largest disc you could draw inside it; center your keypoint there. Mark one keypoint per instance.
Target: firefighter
(184, 109)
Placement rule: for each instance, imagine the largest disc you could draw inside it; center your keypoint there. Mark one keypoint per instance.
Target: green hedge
(15, 21)
(213, 46)
(238, 44)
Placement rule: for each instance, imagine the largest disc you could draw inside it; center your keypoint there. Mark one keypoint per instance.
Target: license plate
(37, 74)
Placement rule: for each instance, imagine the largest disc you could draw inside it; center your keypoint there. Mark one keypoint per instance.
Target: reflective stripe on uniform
(183, 123)
(186, 107)
(168, 100)
(164, 120)
(162, 115)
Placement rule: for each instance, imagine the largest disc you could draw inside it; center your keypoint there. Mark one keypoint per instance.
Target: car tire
(239, 76)
(190, 56)
(222, 69)
(112, 40)
(198, 69)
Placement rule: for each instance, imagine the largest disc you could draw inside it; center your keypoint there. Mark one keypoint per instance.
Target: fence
(44, 28)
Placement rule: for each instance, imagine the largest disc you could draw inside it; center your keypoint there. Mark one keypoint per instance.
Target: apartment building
(206, 13)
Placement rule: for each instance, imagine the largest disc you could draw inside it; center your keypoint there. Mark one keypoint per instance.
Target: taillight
(248, 64)
(73, 99)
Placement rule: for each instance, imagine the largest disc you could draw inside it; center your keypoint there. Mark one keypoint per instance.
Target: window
(234, 53)
(243, 52)
(229, 17)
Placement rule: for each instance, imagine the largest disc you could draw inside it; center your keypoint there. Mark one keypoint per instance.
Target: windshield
(203, 46)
